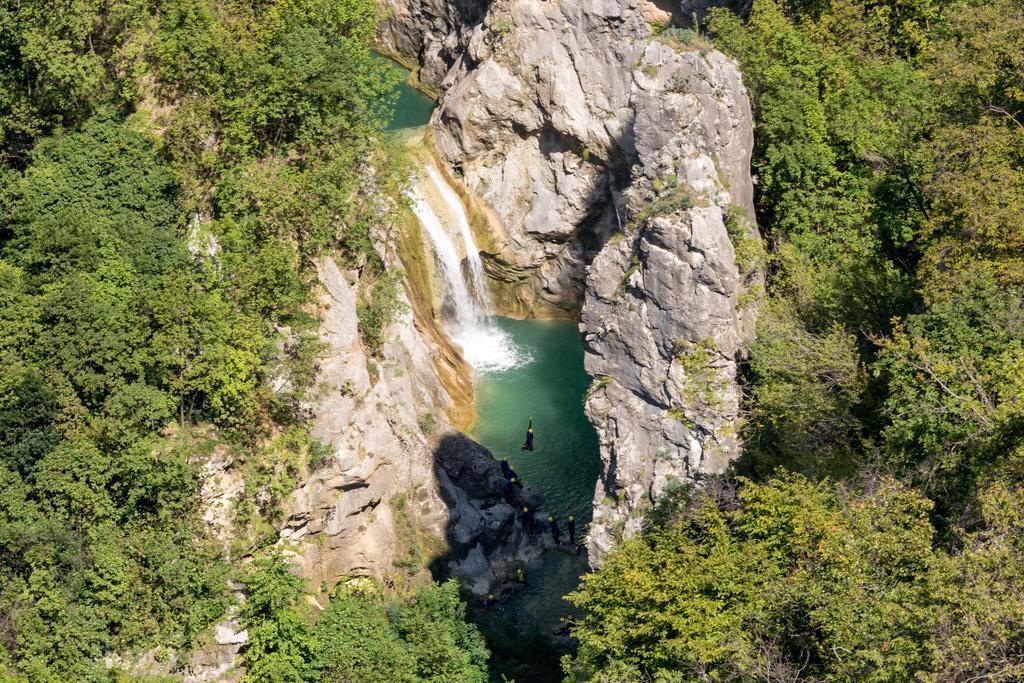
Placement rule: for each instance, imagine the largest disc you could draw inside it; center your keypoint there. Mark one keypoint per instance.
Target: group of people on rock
(527, 517)
(529, 521)
(512, 481)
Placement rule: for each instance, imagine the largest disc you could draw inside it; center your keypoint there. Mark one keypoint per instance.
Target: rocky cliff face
(401, 486)
(429, 34)
(343, 515)
(535, 116)
(611, 161)
(487, 535)
(670, 303)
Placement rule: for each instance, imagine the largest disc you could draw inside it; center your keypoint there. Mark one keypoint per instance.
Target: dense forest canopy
(873, 532)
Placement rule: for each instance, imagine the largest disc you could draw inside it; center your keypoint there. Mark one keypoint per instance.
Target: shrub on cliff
(169, 172)
(362, 635)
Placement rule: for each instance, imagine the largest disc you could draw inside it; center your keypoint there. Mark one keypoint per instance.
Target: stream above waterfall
(412, 108)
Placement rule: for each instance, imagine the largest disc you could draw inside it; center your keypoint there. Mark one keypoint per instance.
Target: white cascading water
(485, 347)
(476, 264)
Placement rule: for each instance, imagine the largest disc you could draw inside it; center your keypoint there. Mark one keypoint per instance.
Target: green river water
(549, 386)
(548, 383)
(412, 108)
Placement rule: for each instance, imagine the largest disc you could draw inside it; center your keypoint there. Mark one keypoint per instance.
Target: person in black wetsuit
(556, 533)
(527, 518)
(505, 468)
(510, 490)
(571, 524)
(515, 478)
(528, 446)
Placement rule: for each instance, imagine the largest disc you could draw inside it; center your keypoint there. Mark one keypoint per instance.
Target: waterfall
(476, 264)
(458, 305)
(466, 305)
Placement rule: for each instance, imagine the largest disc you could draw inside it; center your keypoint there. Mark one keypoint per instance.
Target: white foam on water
(490, 350)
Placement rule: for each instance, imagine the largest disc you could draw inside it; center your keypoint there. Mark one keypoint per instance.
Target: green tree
(27, 411)
(785, 579)
(209, 353)
(168, 174)
(96, 194)
(355, 641)
(59, 62)
(444, 646)
(955, 373)
(280, 642)
(805, 391)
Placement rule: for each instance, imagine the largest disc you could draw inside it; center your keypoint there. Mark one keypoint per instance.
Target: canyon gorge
(602, 341)
(600, 165)
(577, 167)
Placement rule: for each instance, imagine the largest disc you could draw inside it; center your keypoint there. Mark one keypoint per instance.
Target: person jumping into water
(528, 446)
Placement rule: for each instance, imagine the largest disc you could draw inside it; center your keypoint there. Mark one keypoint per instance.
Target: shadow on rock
(488, 535)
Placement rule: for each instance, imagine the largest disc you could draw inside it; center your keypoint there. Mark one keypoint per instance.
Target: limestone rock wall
(668, 309)
(535, 117)
(429, 33)
(369, 415)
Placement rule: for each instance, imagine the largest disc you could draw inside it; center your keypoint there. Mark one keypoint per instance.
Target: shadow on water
(523, 645)
(523, 631)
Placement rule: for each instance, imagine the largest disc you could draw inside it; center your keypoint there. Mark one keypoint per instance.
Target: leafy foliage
(889, 152)
(170, 172)
(361, 635)
(380, 309)
(794, 579)
(890, 189)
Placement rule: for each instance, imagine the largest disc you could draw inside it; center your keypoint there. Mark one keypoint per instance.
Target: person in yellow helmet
(528, 446)
(556, 533)
(520, 575)
(572, 530)
(526, 517)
